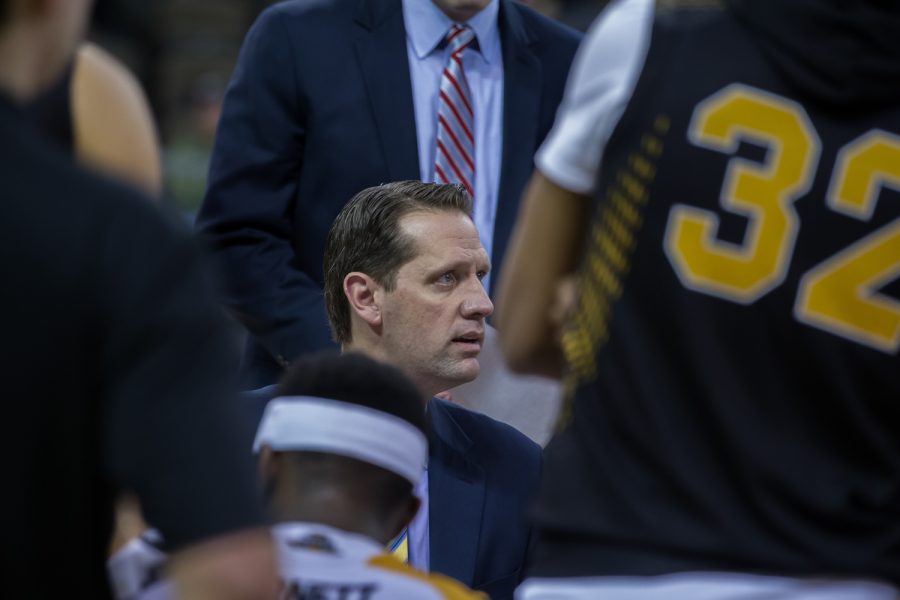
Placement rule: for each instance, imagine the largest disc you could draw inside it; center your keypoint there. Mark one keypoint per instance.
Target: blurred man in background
(113, 362)
(725, 175)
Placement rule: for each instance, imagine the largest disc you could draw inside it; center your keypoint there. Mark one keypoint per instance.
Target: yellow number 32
(839, 295)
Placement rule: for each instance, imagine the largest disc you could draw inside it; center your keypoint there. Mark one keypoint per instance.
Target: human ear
(360, 289)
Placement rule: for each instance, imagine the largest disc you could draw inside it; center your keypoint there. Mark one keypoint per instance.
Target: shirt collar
(426, 27)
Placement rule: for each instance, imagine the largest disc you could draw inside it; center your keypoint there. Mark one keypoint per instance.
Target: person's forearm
(544, 251)
(236, 566)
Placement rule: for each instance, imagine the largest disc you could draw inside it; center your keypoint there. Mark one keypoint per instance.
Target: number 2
(840, 295)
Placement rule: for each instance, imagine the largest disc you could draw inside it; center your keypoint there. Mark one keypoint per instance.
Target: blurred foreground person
(403, 284)
(97, 111)
(341, 449)
(732, 351)
(113, 362)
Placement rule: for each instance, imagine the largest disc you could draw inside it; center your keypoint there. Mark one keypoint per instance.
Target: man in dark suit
(332, 97)
(403, 284)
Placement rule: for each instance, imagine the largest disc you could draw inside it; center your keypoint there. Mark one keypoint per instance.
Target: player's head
(403, 269)
(37, 39)
(343, 444)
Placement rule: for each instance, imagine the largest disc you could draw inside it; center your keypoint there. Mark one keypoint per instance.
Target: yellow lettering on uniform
(764, 193)
(841, 294)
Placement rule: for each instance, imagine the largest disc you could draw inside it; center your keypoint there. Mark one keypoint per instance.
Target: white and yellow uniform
(317, 561)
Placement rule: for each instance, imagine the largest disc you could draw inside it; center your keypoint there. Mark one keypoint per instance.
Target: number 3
(839, 295)
(764, 193)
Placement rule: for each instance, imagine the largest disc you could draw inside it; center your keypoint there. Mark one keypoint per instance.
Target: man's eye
(481, 275)
(447, 278)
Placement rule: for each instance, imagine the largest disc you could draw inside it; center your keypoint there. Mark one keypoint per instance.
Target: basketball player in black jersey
(731, 357)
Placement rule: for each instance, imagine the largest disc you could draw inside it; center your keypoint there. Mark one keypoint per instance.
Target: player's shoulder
(689, 15)
(441, 586)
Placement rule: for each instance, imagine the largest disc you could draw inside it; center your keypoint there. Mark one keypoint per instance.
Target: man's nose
(477, 304)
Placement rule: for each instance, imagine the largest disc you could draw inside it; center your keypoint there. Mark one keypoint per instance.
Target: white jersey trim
(603, 77)
(327, 562)
(704, 586)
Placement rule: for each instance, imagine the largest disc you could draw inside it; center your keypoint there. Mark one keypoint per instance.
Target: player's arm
(237, 566)
(112, 124)
(545, 246)
(544, 251)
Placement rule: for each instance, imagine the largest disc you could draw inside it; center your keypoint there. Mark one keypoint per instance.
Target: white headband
(321, 425)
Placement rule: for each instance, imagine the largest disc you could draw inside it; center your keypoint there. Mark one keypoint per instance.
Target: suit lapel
(455, 496)
(522, 81)
(381, 52)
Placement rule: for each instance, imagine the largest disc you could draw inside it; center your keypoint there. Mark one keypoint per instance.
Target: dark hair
(355, 379)
(366, 237)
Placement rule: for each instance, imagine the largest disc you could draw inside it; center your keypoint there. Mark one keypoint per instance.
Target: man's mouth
(473, 340)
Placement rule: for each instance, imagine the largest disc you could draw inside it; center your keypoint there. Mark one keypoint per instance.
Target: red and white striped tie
(455, 156)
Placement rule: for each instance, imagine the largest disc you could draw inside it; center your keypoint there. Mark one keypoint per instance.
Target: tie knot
(459, 37)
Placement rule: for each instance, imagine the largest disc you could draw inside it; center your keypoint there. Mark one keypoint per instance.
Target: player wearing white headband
(341, 448)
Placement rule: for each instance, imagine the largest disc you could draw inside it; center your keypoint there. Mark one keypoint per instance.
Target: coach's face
(461, 10)
(433, 319)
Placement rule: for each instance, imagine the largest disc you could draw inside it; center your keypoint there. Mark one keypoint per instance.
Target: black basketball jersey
(733, 354)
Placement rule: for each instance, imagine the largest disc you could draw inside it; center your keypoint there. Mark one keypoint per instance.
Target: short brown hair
(366, 237)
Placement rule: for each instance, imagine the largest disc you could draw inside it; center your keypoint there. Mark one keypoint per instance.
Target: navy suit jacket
(320, 107)
(482, 478)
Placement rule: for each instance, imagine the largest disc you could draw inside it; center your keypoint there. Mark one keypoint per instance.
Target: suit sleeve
(246, 217)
